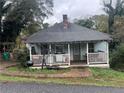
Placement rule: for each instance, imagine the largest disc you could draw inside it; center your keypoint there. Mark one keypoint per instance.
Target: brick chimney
(65, 21)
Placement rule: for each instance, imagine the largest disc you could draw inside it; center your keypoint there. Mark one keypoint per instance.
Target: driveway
(53, 88)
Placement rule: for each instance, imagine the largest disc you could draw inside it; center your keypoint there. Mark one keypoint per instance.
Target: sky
(75, 9)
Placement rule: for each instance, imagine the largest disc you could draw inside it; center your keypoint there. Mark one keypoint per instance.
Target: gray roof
(74, 33)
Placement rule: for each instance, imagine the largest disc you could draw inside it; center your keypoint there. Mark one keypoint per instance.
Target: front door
(76, 52)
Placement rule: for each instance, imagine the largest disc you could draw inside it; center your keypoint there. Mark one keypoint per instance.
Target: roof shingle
(73, 33)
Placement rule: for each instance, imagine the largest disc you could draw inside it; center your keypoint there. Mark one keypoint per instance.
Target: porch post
(87, 53)
(50, 59)
(107, 51)
(30, 52)
(69, 53)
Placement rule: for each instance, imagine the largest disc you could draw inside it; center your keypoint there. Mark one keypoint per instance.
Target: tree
(45, 25)
(117, 58)
(3, 10)
(96, 22)
(118, 34)
(30, 10)
(112, 11)
(23, 13)
(85, 22)
(101, 23)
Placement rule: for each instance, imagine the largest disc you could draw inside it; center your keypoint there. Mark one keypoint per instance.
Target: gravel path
(53, 88)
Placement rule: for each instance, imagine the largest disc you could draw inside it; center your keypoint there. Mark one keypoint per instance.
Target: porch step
(100, 65)
(50, 66)
(84, 65)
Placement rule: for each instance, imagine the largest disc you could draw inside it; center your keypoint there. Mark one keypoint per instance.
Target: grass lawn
(107, 74)
(101, 77)
(36, 71)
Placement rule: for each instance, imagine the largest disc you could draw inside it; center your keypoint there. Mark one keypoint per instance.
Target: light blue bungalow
(69, 45)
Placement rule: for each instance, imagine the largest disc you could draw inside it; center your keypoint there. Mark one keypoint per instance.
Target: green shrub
(117, 58)
(21, 55)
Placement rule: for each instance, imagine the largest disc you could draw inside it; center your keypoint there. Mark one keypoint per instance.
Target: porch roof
(74, 33)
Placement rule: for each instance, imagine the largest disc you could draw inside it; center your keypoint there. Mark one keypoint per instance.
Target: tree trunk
(0, 29)
(0, 23)
(111, 22)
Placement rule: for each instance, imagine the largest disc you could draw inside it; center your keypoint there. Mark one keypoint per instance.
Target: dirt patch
(6, 64)
(72, 73)
(85, 72)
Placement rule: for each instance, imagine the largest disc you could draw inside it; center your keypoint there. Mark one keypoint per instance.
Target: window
(91, 47)
(59, 49)
(33, 51)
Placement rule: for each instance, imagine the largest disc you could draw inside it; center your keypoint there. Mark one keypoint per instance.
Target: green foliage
(19, 44)
(118, 33)
(112, 11)
(26, 11)
(3, 11)
(45, 25)
(97, 22)
(23, 15)
(115, 12)
(21, 55)
(117, 58)
(85, 22)
(30, 29)
(101, 23)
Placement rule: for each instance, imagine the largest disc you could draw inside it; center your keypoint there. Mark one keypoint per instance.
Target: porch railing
(95, 58)
(60, 58)
(51, 59)
(37, 59)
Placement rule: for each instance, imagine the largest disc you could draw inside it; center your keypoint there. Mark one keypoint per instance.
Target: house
(69, 45)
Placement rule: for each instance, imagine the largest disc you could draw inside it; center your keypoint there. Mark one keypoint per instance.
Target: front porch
(71, 54)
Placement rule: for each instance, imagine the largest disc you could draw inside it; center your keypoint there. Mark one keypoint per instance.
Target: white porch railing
(37, 59)
(97, 58)
(53, 59)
